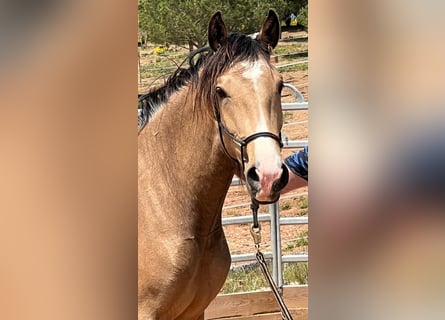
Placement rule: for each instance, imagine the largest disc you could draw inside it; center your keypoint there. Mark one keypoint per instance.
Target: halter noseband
(242, 143)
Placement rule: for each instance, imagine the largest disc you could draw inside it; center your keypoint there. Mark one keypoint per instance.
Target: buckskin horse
(218, 117)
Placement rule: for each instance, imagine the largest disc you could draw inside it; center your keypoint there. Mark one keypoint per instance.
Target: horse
(218, 117)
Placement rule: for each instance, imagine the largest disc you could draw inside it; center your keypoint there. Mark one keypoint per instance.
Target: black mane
(151, 101)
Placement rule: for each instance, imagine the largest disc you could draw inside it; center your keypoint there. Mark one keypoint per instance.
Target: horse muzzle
(265, 184)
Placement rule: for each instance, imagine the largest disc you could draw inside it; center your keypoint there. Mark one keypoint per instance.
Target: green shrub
(302, 17)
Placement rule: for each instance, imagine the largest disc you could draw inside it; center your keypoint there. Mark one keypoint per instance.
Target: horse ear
(217, 32)
(271, 30)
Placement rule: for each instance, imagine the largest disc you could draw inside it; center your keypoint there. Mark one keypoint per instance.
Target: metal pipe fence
(274, 211)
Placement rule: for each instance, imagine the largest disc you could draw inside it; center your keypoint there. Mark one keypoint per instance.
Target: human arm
(297, 163)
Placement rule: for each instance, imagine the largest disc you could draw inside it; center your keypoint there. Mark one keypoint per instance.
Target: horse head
(246, 95)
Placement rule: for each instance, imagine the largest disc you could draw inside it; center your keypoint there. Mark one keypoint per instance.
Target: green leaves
(185, 22)
(302, 17)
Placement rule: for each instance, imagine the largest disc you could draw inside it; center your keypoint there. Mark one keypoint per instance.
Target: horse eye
(221, 93)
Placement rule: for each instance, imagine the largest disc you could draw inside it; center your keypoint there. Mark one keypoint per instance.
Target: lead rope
(255, 231)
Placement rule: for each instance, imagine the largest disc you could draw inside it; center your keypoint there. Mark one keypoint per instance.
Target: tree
(185, 22)
(176, 22)
(302, 17)
(293, 6)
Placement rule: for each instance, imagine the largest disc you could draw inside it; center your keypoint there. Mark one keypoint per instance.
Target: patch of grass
(290, 246)
(296, 67)
(295, 273)
(303, 66)
(300, 241)
(303, 203)
(285, 205)
(287, 115)
(245, 279)
(290, 48)
(251, 278)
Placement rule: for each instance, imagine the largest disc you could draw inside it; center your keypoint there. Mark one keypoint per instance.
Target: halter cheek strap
(242, 143)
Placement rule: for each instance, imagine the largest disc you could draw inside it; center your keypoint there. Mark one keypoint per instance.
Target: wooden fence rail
(259, 305)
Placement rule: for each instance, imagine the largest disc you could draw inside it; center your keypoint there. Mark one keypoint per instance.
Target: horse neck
(185, 153)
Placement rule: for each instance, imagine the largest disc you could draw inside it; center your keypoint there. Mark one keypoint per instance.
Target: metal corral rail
(274, 215)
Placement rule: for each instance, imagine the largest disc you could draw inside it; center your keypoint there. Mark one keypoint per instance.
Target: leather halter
(242, 143)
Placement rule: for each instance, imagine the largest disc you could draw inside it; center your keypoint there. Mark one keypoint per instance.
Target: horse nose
(282, 182)
(253, 179)
(267, 181)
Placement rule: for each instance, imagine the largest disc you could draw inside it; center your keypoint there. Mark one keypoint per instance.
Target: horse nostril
(252, 176)
(282, 182)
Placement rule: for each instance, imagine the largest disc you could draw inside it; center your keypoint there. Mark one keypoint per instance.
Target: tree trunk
(191, 45)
